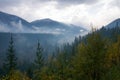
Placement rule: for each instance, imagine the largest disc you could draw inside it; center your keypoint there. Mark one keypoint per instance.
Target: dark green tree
(11, 59)
(39, 62)
(113, 61)
(88, 63)
(39, 57)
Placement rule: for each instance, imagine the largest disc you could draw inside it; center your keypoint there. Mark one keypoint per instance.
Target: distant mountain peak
(117, 20)
(46, 23)
(4, 13)
(1, 12)
(46, 20)
(113, 24)
(13, 23)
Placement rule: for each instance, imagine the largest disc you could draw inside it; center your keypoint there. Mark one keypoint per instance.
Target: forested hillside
(95, 56)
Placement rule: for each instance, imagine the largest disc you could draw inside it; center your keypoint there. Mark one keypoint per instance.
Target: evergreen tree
(39, 57)
(38, 63)
(88, 63)
(11, 59)
(113, 53)
(113, 61)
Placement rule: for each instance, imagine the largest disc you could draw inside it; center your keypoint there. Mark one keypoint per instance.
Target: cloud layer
(80, 12)
(75, 2)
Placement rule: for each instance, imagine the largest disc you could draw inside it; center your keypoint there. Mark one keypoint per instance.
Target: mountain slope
(113, 24)
(51, 26)
(15, 24)
(47, 22)
(12, 23)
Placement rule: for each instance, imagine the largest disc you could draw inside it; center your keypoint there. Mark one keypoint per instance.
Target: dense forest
(95, 56)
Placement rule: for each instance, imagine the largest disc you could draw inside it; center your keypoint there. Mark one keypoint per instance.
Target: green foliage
(113, 61)
(89, 58)
(38, 63)
(113, 53)
(113, 73)
(16, 75)
(39, 57)
(11, 59)
(89, 62)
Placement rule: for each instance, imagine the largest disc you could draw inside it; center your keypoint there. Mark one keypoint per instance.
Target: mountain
(55, 27)
(113, 24)
(47, 22)
(12, 23)
(15, 24)
(50, 34)
(66, 32)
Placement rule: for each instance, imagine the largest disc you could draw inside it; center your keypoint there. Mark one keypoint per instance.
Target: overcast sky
(79, 12)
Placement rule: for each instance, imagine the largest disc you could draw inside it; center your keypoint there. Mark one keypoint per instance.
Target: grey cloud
(15, 3)
(115, 3)
(9, 3)
(67, 3)
(70, 2)
(74, 2)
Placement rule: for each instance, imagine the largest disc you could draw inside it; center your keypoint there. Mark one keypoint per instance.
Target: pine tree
(38, 63)
(39, 57)
(11, 59)
(88, 63)
(113, 61)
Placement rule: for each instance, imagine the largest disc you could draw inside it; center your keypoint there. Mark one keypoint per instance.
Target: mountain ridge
(113, 24)
(15, 24)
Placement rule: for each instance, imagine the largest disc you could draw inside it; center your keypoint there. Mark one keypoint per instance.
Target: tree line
(92, 57)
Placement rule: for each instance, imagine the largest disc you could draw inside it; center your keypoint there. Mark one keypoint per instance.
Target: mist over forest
(59, 40)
